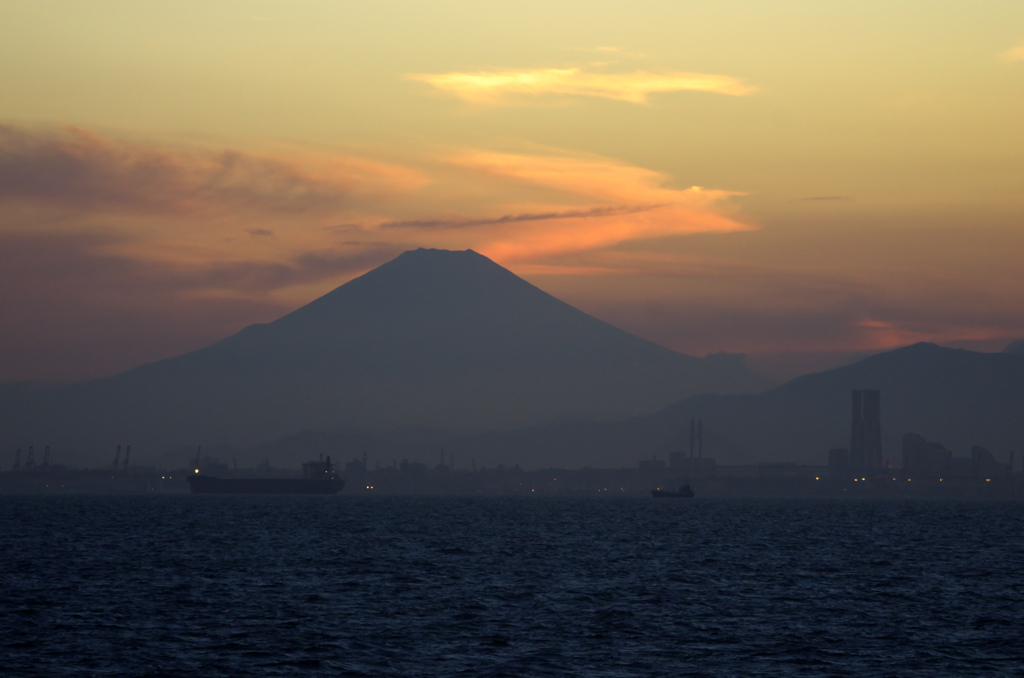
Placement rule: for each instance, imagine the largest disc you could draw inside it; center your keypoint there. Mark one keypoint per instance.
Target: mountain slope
(1016, 347)
(436, 338)
(960, 398)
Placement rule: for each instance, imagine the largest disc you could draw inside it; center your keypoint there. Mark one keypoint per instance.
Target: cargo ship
(684, 492)
(318, 477)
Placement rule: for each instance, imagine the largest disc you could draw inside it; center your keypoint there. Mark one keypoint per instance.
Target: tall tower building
(866, 431)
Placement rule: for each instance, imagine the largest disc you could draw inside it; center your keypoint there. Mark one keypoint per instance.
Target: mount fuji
(436, 338)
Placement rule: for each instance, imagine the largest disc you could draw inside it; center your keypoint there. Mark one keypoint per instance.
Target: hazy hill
(433, 338)
(1016, 347)
(953, 396)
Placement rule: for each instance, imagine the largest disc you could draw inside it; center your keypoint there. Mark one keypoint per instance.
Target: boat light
(197, 470)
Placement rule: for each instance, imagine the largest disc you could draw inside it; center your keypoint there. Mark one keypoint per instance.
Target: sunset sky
(797, 180)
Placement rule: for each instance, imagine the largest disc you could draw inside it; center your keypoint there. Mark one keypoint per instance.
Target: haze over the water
(802, 182)
(446, 348)
(432, 339)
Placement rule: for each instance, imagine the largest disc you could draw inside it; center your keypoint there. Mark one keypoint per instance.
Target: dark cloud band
(593, 213)
(76, 169)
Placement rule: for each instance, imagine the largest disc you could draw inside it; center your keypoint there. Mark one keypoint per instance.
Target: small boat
(684, 492)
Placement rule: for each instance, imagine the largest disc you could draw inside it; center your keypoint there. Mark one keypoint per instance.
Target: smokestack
(691, 437)
(700, 438)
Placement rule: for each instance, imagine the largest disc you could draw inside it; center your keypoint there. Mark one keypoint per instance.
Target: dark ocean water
(400, 586)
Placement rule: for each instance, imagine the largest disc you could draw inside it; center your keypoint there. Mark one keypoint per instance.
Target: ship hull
(200, 484)
(683, 493)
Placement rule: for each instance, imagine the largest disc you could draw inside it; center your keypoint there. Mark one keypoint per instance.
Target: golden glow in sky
(792, 178)
(497, 86)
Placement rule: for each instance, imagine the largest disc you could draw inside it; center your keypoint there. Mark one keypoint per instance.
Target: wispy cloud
(1013, 54)
(496, 87)
(549, 210)
(240, 212)
(633, 203)
(76, 168)
(591, 213)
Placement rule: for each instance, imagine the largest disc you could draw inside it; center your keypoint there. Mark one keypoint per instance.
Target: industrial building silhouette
(866, 430)
(865, 452)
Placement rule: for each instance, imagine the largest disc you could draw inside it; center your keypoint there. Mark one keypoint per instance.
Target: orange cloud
(495, 87)
(190, 206)
(1013, 54)
(904, 328)
(622, 203)
(292, 223)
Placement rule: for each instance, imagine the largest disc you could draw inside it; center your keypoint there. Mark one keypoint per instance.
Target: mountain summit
(432, 338)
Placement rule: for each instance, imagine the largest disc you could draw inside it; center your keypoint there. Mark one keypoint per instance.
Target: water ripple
(347, 586)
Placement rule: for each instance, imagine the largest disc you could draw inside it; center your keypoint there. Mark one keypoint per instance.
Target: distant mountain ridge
(1015, 347)
(958, 397)
(432, 338)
